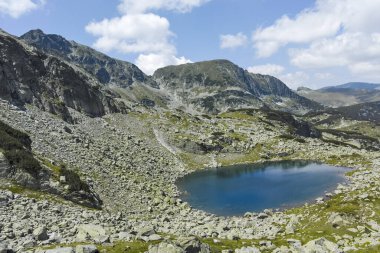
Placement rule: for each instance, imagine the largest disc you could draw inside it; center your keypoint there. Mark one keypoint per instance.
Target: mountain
(28, 76)
(108, 71)
(356, 86)
(212, 86)
(343, 95)
(219, 85)
(360, 112)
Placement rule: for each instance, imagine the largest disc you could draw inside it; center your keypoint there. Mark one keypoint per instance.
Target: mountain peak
(107, 70)
(35, 32)
(51, 42)
(218, 85)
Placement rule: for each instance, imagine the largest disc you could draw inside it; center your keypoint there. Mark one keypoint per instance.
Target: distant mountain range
(343, 95)
(361, 112)
(356, 86)
(57, 74)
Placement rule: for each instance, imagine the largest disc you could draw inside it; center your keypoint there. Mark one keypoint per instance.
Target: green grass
(128, 247)
(34, 194)
(237, 115)
(373, 249)
(223, 244)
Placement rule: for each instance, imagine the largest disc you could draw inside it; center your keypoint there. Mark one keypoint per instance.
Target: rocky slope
(219, 85)
(108, 71)
(19, 165)
(361, 112)
(118, 154)
(28, 76)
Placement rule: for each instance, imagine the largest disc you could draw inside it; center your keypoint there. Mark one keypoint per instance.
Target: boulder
(262, 216)
(91, 232)
(61, 250)
(336, 220)
(321, 245)
(165, 247)
(145, 231)
(192, 245)
(5, 249)
(86, 249)
(250, 249)
(40, 234)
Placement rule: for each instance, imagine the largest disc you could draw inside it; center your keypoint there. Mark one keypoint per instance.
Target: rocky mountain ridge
(108, 71)
(29, 76)
(210, 87)
(218, 85)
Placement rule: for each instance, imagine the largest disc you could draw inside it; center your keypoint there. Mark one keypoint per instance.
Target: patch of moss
(223, 244)
(372, 249)
(128, 247)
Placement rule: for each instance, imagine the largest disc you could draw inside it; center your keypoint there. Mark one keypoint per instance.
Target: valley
(125, 146)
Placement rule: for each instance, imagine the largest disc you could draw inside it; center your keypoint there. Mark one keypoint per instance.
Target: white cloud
(342, 50)
(296, 79)
(139, 31)
(233, 41)
(369, 69)
(16, 8)
(323, 76)
(267, 69)
(142, 6)
(150, 62)
(327, 19)
(333, 33)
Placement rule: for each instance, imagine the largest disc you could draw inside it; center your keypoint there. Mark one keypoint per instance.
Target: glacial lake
(235, 190)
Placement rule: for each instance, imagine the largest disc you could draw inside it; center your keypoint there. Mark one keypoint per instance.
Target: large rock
(336, 220)
(61, 250)
(5, 249)
(182, 245)
(86, 249)
(4, 166)
(145, 231)
(91, 232)
(247, 250)
(192, 245)
(165, 247)
(40, 234)
(320, 245)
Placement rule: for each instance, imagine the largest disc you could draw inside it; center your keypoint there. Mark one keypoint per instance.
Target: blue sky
(309, 43)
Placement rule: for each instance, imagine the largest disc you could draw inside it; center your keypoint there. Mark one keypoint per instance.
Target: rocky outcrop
(181, 245)
(215, 86)
(108, 71)
(18, 164)
(29, 76)
(296, 126)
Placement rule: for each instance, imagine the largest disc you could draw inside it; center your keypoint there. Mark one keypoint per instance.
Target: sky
(312, 43)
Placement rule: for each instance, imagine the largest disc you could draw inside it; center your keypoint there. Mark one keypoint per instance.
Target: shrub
(16, 148)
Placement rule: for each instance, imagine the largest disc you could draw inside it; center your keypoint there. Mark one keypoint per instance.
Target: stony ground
(132, 161)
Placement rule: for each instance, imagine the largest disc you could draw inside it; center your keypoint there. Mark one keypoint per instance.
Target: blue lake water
(237, 189)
